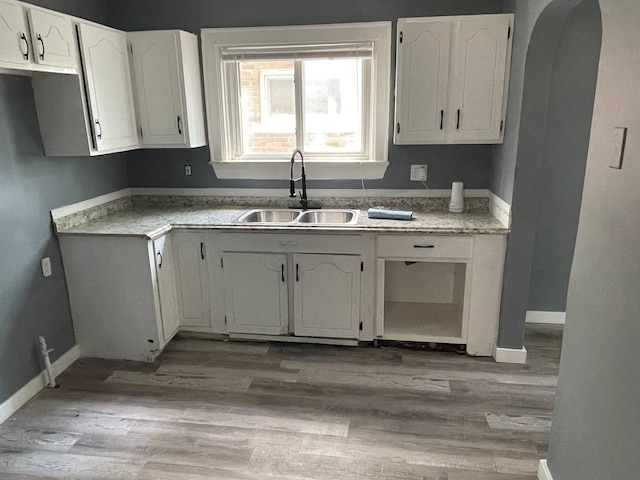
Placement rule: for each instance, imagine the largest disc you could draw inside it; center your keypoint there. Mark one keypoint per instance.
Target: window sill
(278, 170)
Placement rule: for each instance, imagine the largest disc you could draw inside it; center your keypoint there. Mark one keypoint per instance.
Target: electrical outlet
(187, 170)
(45, 264)
(419, 173)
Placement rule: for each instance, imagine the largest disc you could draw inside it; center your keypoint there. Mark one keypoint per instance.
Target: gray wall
(535, 121)
(596, 421)
(503, 162)
(565, 156)
(30, 186)
(470, 164)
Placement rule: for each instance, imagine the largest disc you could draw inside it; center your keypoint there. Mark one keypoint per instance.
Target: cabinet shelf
(423, 322)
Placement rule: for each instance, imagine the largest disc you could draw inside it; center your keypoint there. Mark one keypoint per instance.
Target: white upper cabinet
(14, 42)
(166, 72)
(423, 80)
(109, 88)
(51, 46)
(478, 85)
(52, 38)
(452, 78)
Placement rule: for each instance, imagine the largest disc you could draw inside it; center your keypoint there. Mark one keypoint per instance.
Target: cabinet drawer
(425, 246)
(311, 243)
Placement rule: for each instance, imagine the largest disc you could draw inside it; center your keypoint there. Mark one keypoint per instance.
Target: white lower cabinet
(165, 273)
(192, 280)
(130, 295)
(326, 295)
(443, 289)
(256, 293)
(121, 293)
(289, 291)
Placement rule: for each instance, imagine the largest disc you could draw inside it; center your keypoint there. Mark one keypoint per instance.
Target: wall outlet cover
(45, 264)
(419, 173)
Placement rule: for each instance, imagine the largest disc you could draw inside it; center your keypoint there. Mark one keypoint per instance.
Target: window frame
(330, 166)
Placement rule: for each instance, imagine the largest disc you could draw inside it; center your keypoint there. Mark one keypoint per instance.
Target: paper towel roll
(456, 205)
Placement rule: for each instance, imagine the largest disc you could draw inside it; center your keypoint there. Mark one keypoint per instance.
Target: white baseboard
(37, 383)
(511, 355)
(86, 204)
(555, 318)
(543, 471)
(500, 209)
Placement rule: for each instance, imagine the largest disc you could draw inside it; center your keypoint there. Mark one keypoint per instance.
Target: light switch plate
(45, 264)
(617, 147)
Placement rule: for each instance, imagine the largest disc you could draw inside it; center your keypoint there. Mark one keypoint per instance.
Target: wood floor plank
(171, 381)
(36, 439)
(529, 423)
(63, 465)
(323, 425)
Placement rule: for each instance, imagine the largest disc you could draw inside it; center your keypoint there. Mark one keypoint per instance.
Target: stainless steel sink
(284, 216)
(328, 217)
(269, 215)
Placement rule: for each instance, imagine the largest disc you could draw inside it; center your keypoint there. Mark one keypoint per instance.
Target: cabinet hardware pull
(98, 135)
(424, 246)
(41, 55)
(23, 37)
(159, 260)
(441, 119)
(282, 271)
(202, 250)
(458, 124)
(297, 273)
(179, 127)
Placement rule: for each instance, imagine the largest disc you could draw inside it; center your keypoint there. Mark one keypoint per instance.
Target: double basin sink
(281, 216)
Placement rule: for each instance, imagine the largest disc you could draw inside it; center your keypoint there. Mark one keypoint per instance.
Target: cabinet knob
(41, 55)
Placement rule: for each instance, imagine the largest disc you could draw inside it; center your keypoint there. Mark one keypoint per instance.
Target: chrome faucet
(292, 182)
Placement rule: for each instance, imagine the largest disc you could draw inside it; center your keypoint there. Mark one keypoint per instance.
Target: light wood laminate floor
(232, 410)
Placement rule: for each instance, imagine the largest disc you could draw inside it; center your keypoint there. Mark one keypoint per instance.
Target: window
(323, 89)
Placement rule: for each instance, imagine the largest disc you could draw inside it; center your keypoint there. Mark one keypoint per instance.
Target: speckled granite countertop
(150, 219)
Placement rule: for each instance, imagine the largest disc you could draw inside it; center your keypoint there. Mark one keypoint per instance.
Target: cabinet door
(52, 39)
(256, 293)
(14, 45)
(327, 295)
(479, 78)
(192, 281)
(158, 93)
(109, 88)
(166, 287)
(422, 80)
